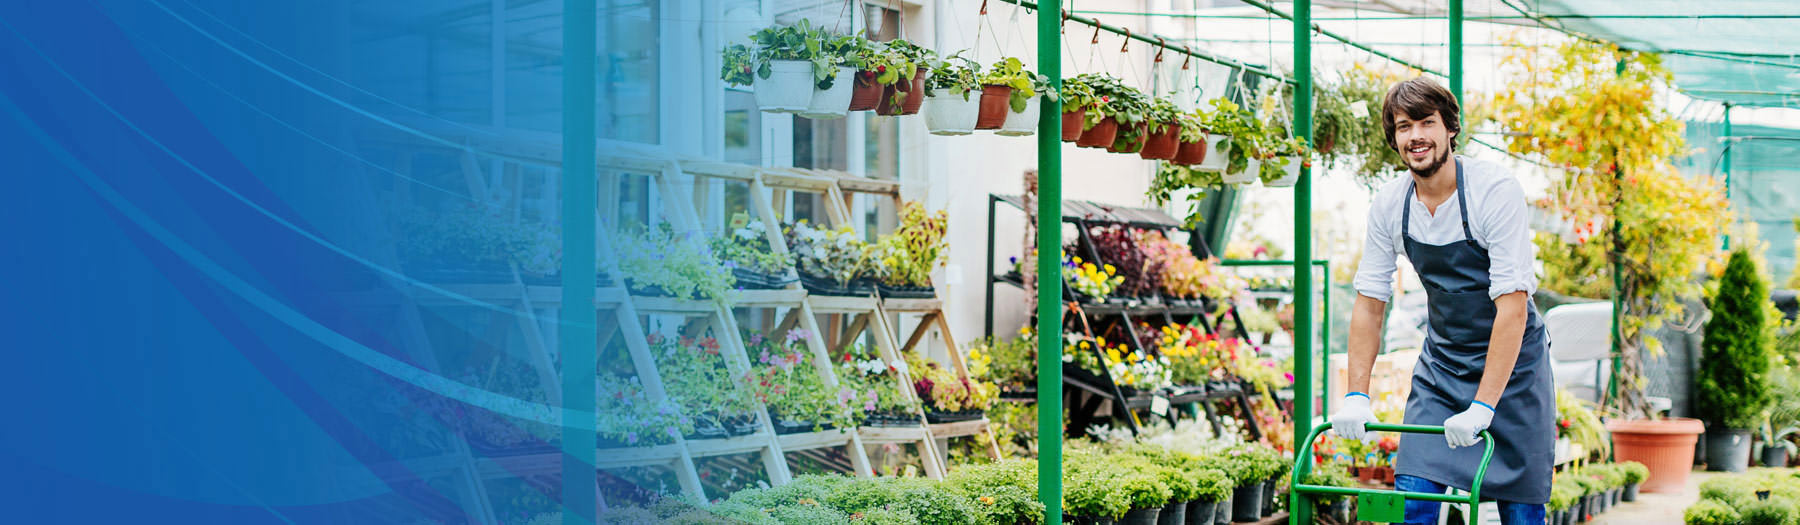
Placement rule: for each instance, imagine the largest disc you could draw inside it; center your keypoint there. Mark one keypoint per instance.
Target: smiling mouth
(1419, 151)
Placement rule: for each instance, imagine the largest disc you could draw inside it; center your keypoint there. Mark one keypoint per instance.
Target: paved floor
(1657, 509)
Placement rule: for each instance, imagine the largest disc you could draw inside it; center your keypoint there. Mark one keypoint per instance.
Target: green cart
(1381, 505)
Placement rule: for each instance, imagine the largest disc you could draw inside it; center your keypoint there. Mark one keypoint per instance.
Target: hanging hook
(1096, 38)
(984, 7)
(1065, 23)
(1126, 47)
(1160, 46)
(1186, 56)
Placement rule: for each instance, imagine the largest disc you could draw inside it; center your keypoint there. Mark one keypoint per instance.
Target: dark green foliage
(1733, 377)
(1774, 511)
(1710, 512)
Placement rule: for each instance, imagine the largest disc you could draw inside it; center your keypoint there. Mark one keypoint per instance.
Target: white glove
(1348, 422)
(1464, 429)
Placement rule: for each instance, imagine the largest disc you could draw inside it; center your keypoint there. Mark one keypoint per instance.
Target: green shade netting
(1739, 51)
(1765, 182)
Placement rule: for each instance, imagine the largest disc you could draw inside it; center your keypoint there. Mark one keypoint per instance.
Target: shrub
(1005, 493)
(813, 514)
(1330, 475)
(1710, 512)
(1214, 485)
(1141, 490)
(1774, 511)
(887, 517)
(1635, 472)
(1090, 492)
(863, 495)
(811, 487)
(1563, 494)
(1733, 379)
(931, 503)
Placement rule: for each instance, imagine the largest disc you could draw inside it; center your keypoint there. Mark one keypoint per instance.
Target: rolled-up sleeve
(1507, 224)
(1375, 274)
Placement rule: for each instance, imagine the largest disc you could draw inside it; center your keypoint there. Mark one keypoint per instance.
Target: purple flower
(797, 334)
(672, 432)
(845, 395)
(631, 438)
(869, 406)
(756, 338)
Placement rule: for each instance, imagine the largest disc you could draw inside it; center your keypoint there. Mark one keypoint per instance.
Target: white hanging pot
(789, 88)
(1247, 176)
(834, 102)
(1022, 123)
(1216, 148)
(947, 113)
(1290, 174)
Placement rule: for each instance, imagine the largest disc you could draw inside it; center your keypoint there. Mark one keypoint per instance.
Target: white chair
(1580, 346)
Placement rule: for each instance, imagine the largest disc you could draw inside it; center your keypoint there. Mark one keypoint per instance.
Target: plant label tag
(1360, 109)
(739, 220)
(1160, 406)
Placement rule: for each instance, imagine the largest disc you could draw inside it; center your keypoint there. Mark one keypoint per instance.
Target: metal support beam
(1725, 164)
(1300, 511)
(577, 336)
(1456, 51)
(1050, 10)
(1049, 266)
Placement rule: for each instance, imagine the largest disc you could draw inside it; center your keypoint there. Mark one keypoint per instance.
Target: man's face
(1424, 143)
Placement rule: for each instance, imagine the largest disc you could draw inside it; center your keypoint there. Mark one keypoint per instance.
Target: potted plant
(1091, 494)
(1257, 462)
(1009, 92)
(660, 263)
(948, 398)
(745, 250)
(1711, 512)
(1732, 383)
(1093, 282)
(1076, 98)
(783, 378)
(1164, 138)
(835, 64)
(1025, 107)
(1332, 474)
(1238, 152)
(1287, 156)
(907, 94)
(880, 67)
(871, 388)
(1635, 473)
(951, 108)
(1115, 109)
(908, 255)
(789, 64)
(1214, 489)
(831, 262)
(695, 377)
(1144, 492)
(1192, 137)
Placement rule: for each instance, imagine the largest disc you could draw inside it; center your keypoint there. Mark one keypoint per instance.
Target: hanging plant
(1244, 131)
(955, 74)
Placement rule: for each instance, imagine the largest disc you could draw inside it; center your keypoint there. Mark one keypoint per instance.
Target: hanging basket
(1120, 145)
(833, 102)
(866, 93)
(1101, 135)
(913, 103)
(947, 113)
(1025, 123)
(1162, 146)
(903, 98)
(789, 88)
(1217, 147)
(1190, 153)
(994, 101)
(1247, 176)
(1071, 125)
(1290, 174)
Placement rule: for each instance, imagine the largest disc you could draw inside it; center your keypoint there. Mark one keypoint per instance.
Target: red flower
(880, 69)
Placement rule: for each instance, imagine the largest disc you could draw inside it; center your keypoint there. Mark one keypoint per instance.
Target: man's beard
(1432, 169)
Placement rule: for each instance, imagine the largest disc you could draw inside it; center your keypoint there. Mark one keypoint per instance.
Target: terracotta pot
(1162, 146)
(886, 104)
(1365, 474)
(1101, 135)
(916, 94)
(1134, 145)
(1666, 446)
(995, 101)
(1072, 125)
(1191, 153)
(867, 93)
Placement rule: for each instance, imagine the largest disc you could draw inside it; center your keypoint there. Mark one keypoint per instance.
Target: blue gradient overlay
(251, 278)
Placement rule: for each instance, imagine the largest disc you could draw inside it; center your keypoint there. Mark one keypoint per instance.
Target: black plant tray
(952, 417)
(755, 280)
(907, 292)
(828, 286)
(891, 419)
(527, 448)
(648, 291)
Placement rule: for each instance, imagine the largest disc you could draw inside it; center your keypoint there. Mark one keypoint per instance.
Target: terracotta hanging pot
(995, 104)
(1190, 153)
(866, 93)
(1071, 125)
(1162, 146)
(1129, 141)
(1101, 135)
(915, 94)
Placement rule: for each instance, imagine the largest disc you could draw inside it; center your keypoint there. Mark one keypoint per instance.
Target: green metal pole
(1325, 341)
(1300, 511)
(1726, 162)
(1618, 277)
(578, 339)
(1456, 50)
(1049, 249)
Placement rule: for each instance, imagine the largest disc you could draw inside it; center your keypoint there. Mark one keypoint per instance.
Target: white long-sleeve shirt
(1498, 217)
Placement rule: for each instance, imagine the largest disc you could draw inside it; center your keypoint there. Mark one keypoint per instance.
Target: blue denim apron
(1461, 322)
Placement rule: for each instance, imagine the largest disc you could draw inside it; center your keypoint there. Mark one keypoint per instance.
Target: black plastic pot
(1145, 516)
(1173, 514)
(1631, 492)
(647, 290)
(1727, 449)
(1774, 457)
(1555, 517)
(1222, 512)
(754, 280)
(1085, 520)
(1270, 498)
(1581, 509)
(952, 417)
(827, 286)
(1339, 511)
(1201, 512)
(891, 419)
(907, 292)
(789, 426)
(1247, 502)
(1616, 493)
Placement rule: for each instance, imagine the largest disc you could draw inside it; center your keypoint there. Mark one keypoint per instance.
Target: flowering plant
(1127, 367)
(838, 254)
(695, 377)
(917, 246)
(1118, 245)
(1183, 275)
(1195, 357)
(869, 384)
(747, 246)
(1012, 363)
(943, 391)
(676, 264)
(1094, 281)
(625, 414)
(794, 391)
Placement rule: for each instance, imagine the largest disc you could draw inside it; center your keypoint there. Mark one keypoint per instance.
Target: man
(1462, 223)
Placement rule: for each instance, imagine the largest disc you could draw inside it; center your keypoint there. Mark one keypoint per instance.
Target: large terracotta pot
(916, 95)
(867, 93)
(1666, 446)
(995, 104)
(1072, 125)
(1101, 135)
(1191, 153)
(1162, 146)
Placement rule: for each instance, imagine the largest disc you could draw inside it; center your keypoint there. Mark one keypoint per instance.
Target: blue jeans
(1426, 512)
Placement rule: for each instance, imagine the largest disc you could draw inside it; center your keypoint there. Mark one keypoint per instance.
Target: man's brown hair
(1419, 98)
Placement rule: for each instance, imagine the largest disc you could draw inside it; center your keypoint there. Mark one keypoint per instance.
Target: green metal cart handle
(1393, 498)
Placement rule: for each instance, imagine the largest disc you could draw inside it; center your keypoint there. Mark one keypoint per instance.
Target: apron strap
(1406, 209)
(1462, 203)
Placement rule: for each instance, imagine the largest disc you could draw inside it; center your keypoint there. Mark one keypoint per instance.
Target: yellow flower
(986, 500)
(1076, 259)
(1110, 269)
(1089, 267)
